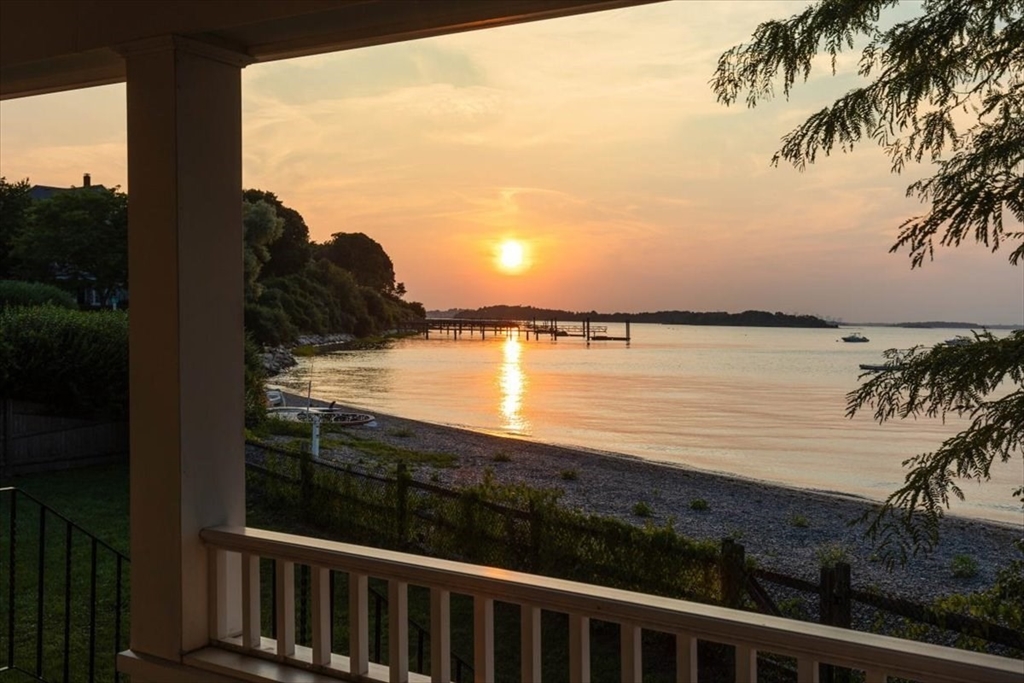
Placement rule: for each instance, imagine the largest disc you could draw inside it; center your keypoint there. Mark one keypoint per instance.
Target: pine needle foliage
(945, 88)
(984, 381)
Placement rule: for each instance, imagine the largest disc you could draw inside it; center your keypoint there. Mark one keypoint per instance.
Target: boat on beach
(277, 407)
(326, 415)
(855, 337)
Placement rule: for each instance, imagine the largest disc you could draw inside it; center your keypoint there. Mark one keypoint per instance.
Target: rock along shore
(785, 529)
(279, 358)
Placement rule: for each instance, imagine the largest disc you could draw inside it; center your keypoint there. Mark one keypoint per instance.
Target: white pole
(315, 445)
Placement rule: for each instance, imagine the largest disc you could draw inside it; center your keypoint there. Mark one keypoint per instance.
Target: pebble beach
(784, 529)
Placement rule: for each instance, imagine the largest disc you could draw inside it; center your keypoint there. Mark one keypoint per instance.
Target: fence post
(536, 529)
(733, 572)
(306, 483)
(835, 595)
(402, 502)
(835, 610)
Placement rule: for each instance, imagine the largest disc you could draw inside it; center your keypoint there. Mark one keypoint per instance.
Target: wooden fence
(837, 598)
(738, 584)
(31, 440)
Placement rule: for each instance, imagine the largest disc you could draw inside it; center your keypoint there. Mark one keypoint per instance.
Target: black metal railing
(460, 667)
(64, 597)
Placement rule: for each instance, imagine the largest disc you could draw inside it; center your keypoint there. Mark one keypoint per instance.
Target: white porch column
(185, 329)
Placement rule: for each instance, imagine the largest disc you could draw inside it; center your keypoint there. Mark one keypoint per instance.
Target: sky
(594, 142)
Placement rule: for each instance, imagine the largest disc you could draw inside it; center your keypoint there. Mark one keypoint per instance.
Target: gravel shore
(785, 529)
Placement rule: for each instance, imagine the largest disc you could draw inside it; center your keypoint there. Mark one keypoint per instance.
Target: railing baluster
(807, 669)
(358, 625)
(251, 601)
(398, 631)
(875, 676)
(686, 658)
(217, 594)
(67, 602)
(321, 615)
(284, 578)
(530, 644)
(746, 664)
(631, 653)
(92, 614)
(13, 520)
(579, 648)
(41, 573)
(483, 639)
(440, 636)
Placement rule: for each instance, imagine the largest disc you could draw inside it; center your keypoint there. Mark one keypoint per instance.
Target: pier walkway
(456, 328)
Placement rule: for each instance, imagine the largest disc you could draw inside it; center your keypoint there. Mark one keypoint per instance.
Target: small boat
(855, 337)
(324, 415)
(871, 367)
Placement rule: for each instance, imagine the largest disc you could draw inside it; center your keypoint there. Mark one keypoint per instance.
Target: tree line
(77, 240)
(746, 318)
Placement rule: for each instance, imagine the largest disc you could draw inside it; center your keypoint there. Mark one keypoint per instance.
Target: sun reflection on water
(512, 383)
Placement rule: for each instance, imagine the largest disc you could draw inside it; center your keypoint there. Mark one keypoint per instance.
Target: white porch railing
(880, 657)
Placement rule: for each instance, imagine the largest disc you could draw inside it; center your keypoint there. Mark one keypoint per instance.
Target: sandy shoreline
(768, 519)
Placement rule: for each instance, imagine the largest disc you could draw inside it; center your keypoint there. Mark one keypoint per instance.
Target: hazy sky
(596, 142)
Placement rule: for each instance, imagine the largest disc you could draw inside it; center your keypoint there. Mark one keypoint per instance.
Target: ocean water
(761, 403)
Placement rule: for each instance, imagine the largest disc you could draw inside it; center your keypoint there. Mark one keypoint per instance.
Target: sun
(511, 256)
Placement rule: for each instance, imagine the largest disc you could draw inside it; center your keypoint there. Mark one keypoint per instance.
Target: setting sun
(511, 256)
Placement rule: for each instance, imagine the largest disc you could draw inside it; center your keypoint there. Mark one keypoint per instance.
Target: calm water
(761, 403)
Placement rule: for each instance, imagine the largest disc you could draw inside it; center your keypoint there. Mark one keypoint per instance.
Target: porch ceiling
(53, 45)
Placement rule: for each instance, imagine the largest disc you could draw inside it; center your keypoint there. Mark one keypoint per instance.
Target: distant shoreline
(720, 318)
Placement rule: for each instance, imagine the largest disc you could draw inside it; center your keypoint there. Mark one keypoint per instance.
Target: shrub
(642, 509)
(75, 361)
(501, 456)
(255, 391)
(569, 475)
(798, 521)
(831, 554)
(17, 293)
(963, 566)
(699, 504)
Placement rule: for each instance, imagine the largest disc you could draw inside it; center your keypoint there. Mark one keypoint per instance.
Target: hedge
(76, 361)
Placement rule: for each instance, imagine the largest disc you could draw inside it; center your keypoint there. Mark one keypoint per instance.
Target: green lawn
(96, 500)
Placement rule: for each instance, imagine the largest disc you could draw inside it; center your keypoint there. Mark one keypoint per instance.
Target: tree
(15, 202)
(944, 87)
(261, 227)
(363, 257)
(77, 240)
(291, 251)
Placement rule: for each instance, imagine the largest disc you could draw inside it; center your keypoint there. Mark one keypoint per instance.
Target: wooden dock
(458, 328)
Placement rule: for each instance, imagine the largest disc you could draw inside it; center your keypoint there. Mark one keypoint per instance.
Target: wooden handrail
(879, 656)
